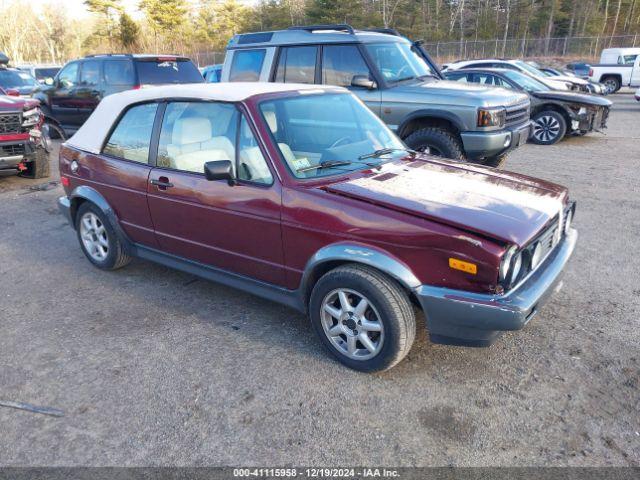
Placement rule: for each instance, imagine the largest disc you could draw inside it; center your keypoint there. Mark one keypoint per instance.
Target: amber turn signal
(467, 267)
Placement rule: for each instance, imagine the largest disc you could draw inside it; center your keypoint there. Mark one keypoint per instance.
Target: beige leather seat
(192, 144)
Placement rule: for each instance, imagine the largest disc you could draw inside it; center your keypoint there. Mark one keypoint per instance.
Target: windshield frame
(357, 165)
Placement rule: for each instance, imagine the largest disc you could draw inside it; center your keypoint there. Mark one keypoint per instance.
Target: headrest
(191, 130)
(272, 121)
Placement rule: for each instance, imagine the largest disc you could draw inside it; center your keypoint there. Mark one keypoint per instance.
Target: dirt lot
(155, 367)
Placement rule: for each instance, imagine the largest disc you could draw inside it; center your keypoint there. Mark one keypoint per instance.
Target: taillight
(64, 181)
(136, 87)
(591, 72)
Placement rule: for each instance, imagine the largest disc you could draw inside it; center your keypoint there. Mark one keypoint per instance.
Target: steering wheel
(340, 141)
(402, 69)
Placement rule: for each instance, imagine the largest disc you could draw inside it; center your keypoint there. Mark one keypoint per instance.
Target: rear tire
(612, 84)
(98, 239)
(549, 127)
(372, 338)
(436, 141)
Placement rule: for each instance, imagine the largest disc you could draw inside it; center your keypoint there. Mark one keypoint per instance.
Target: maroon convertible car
(300, 194)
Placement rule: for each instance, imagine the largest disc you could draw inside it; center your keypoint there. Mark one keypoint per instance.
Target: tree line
(51, 34)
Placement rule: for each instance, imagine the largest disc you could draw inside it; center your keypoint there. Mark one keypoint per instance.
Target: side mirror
(12, 92)
(48, 81)
(219, 170)
(363, 81)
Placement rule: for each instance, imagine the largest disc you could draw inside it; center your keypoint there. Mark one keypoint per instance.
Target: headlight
(506, 263)
(510, 266)
(536, 256)
(567, 222)
(491, 117)
(31, 117)
(516, 266)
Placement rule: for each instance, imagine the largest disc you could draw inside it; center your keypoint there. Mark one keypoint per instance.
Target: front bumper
(490, 144)
(15, 152)
(457, 317)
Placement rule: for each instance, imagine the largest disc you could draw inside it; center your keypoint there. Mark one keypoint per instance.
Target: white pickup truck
(618, 67)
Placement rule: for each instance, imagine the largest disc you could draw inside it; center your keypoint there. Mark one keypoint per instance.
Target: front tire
(436, 141)
(98, 239)
(362, 317)
(549, 127)
(39, 167)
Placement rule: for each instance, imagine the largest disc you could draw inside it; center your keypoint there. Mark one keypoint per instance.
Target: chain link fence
(584, 48)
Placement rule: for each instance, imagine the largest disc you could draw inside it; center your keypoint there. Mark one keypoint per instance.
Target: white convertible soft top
(91, 136)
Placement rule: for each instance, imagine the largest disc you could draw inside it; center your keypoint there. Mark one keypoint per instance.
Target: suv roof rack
(388, 31)
(340, 27)
(108, 55)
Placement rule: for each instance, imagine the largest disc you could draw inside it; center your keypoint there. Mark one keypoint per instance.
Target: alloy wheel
(546, 128)
(611, 85)
(352, 324)
(94, 236)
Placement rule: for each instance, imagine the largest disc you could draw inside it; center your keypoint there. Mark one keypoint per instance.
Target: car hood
(462, 93)
(573, 98)
(576, 80)
(503, 206)
(8, 103)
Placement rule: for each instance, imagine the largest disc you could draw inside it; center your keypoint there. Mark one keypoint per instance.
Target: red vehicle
(23, 148)
(300, 194)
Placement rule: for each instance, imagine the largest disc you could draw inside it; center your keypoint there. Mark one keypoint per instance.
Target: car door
(121, 172)
(235, 228)
(340, 64)
(61, 95)
(89, 91)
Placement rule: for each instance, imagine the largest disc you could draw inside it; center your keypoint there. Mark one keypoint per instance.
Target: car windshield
(525, 81)
(14, 79)
(532, 70)
(167, 70)
(327, 134)
(397, 61)
(44, 73)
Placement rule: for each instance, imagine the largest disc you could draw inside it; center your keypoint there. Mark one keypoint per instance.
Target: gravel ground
(156, 367)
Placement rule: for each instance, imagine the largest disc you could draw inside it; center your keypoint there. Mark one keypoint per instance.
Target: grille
(517, 114)
(10, 123)
(12, 150)
(550, 238)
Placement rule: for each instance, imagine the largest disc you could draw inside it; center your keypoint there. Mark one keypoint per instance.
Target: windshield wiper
(325, 164)
(385, 151)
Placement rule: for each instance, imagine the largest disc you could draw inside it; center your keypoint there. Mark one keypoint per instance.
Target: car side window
(90, 73)
(194, 133)
(340, 63)
(131, 138)
(68, 76)
(297, 65)
(118, 72)
(246, 65)
(252, 166)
